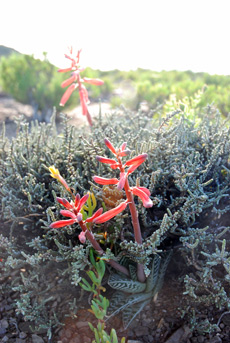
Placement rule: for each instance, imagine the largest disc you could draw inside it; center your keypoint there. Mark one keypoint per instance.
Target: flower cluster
(132, 164)
(73, 211)
(75, 82)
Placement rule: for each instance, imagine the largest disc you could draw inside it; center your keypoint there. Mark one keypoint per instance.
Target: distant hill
(5, 51)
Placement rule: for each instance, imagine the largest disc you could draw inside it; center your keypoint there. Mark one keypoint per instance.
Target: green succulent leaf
(122, 283)
(152, 279)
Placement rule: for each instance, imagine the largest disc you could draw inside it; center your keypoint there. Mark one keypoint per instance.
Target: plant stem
(136, 227)
(100, 251)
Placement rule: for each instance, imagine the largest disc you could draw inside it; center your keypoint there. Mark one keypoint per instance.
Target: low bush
(187, 173)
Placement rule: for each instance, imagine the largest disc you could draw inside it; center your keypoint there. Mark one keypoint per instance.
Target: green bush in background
(32, 81)
(37, 83)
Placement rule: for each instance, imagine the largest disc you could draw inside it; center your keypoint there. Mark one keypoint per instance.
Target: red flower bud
(96, 82)
(110, 146)
(105, 160)
(110, 214)
(136, 160)
(147, 202)
(82, 237)
(65, 70)
(122, 181)
(104, 181)
(83, 201)
(67, 213)
(70, 80)
(95, 215)
(65, 203)
(62, 223)
(67, 94)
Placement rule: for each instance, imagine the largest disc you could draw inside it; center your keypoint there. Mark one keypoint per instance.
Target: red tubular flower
(65, 203)
(83, 102)
(72, 79)
(74, 212)
(104, 181)
(106, 160)
(82, 237)
(124, 153)
(115, 165)
(96, 82)
(65, 70)
(110, 214)
(136, 160)
(147, 202)
(96, 214)
(67, 94)
(77, 199)
(82, 202)
(62, 223)
(121, 183)
(144, 189)
(110, 146)
(67, 213)
(85, 94)
(123, 146)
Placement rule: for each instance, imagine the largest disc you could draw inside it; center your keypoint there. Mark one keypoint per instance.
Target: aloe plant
(132, 296)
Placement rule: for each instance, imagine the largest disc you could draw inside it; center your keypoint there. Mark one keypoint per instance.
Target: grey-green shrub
(187, 172)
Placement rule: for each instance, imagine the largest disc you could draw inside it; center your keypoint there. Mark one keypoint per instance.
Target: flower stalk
(75, 207)
(76, 82)
(142, 192)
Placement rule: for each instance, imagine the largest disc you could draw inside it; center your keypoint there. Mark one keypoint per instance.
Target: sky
(122, 34)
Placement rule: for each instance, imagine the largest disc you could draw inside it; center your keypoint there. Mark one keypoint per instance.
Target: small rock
(132, 341)
(22, 335)
(37, 339)
(81, 325)
(200, 339)
(141, 331)
(68, 333)
(2, 331)
(5, 339)
(4, 324)
(179, 335)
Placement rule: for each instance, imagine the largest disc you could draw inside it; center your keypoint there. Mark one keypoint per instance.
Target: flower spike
(75, 77)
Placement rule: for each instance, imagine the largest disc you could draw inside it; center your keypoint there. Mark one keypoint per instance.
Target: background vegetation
(37, 83)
